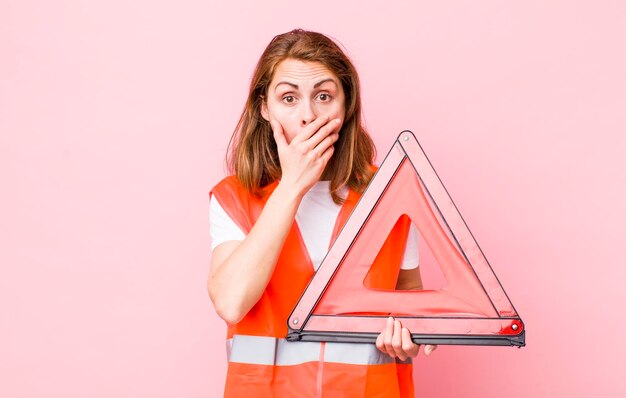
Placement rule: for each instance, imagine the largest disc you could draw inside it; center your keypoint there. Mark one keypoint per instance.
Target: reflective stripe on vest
(262, 350)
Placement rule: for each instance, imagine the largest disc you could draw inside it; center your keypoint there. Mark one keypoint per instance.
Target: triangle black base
(438, 339)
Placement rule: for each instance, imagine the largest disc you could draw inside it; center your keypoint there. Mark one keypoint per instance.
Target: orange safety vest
(262, 363)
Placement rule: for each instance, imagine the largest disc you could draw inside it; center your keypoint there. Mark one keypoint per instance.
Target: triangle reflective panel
(471, 309)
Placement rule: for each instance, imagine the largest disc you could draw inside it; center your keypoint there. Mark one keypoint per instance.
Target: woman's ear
(264, 113)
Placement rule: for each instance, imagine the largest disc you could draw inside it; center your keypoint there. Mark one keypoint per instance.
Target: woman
(299, 152)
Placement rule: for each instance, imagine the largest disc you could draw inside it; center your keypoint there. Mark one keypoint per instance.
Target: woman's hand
(304, 159)
(395, 341)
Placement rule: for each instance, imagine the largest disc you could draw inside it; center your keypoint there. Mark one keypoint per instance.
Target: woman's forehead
(307, 73)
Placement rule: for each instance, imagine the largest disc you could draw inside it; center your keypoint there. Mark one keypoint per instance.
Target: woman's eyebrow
(315, 86)
(324, 81)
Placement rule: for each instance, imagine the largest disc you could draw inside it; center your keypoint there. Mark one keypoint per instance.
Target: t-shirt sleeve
(222, 227)
(411, 258)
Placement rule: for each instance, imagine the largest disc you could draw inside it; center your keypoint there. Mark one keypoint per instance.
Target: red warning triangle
(472, 309)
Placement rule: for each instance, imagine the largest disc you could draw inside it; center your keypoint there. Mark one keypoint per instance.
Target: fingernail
(337, 121)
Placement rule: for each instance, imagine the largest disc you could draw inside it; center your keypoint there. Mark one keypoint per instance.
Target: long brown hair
(253, 155)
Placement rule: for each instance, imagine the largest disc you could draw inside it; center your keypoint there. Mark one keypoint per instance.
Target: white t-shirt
(315, 218)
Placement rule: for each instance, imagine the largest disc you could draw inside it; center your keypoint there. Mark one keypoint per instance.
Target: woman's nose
(308, 114)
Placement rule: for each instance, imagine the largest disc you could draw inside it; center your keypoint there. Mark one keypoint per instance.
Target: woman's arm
(409, 279)
(240, 271)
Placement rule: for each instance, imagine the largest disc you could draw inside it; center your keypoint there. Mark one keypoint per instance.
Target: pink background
(114, 121)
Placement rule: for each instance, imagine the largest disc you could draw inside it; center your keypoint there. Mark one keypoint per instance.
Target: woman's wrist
(289, 192)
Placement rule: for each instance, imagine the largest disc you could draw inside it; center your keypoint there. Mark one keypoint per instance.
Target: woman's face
(300, 92)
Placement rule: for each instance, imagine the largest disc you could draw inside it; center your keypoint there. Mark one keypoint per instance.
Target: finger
(387, 338)
(429, 349)
(324, 132)
(311, 128)
(328, 153)
(408, 345)
(279, 135)
(396, 340)
(380, 343)
(325, 144)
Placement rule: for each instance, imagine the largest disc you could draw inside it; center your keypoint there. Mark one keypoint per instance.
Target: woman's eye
(289, 99)
(324, 97)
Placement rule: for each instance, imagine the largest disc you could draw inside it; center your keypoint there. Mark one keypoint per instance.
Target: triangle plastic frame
(473, 309)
